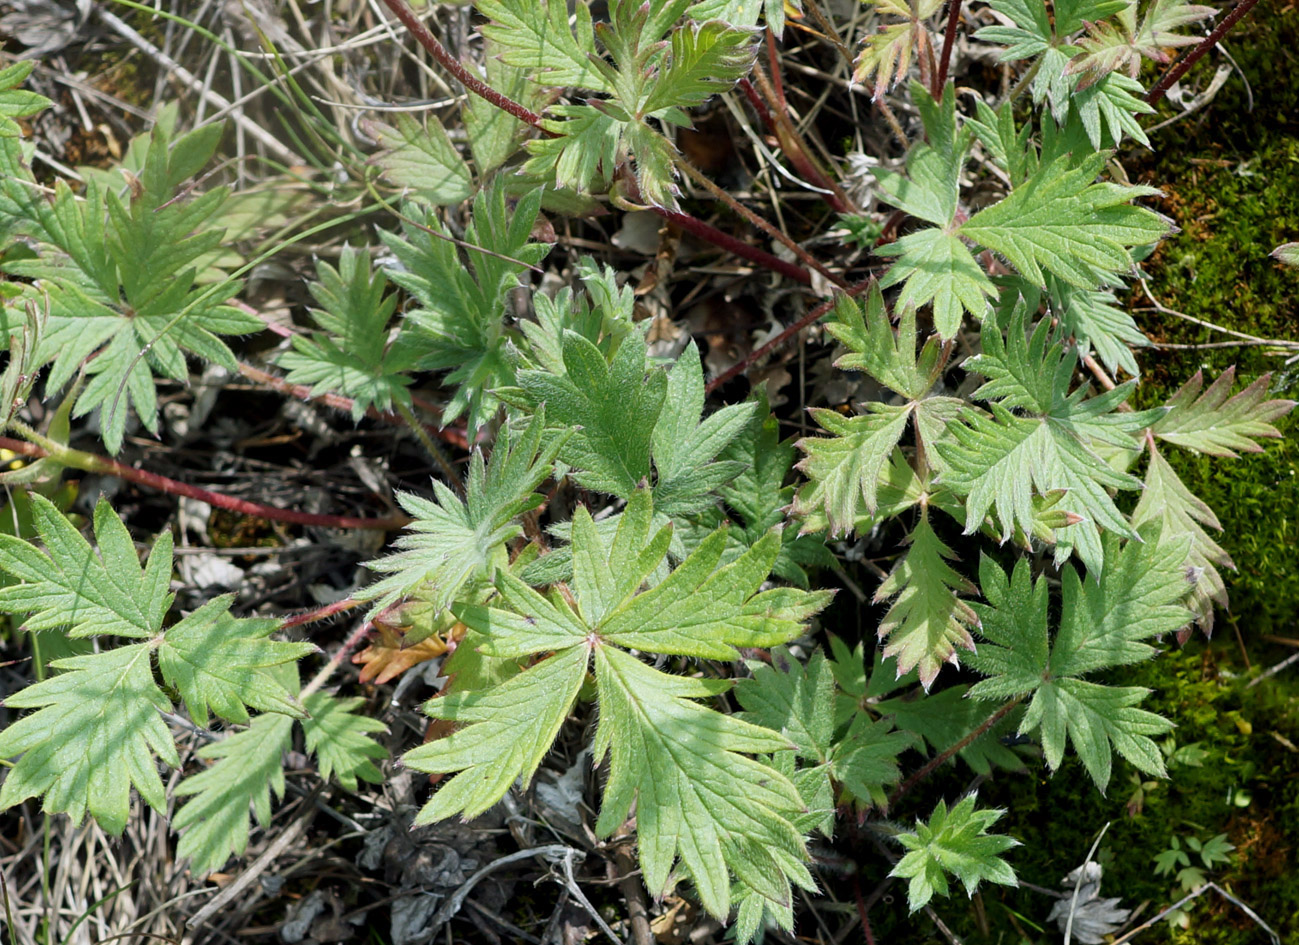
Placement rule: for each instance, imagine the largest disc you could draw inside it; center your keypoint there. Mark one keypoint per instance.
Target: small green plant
(670, 605)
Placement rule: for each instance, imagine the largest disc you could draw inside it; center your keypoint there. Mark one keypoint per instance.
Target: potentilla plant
(702, 544)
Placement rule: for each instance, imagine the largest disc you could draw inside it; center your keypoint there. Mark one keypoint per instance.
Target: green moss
(1057, 818)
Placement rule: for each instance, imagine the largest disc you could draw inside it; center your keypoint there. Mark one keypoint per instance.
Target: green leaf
(1287, 253)
(1061, 221)
(890, 359)
(218, 661)
(846, 467)
(422, 161)
(939, 270)
(945, 718)
(121, 279)
(1104, 623)
(1113, 102)
(16, 102)
(997, 463)
(793, 699)
(1182, 516)
(458, 324)
(686, 450)
(1111, 46)
(493, 132)
(354, 356)
(760, 497)
(535, 35)
(697, 794)
(1217, 423)
(926, 621)
(702, 60)
(507, 731)
(69, 585)
(247, 767)
(455, 542)
(93, 738)
(340, 740)
(614, 405)
(954, 842)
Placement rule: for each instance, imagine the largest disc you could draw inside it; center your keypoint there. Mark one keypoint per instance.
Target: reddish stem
(755, 356)
(452, 435)
(942, 756)
(729, 243)
(773, 58)
(320, 613)
(949, 39)
(90, 462)
(758, 105)
(480, 88)
(1183, 65)
(457, 69)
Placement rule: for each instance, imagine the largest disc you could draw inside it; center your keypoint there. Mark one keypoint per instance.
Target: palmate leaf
(1119, 44)
(247, 768)
(69, 585)
(340, 739)
(354, 356)
(651, 71)
(998, 463)
(1211, 420)
(954, 842)
(534, 35)
(683, 764)
(698, 796)
(1104, 623)
(459, 324)
(760, 498)
(614, 405)
(98, 728)
(926, 621)
(218, 661)
(121, 281)
(453, 542)
(799, 702)
(846, 470)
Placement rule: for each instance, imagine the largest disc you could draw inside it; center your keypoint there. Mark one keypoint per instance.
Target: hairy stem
(451, 435)
(453, 65)
(430, 447)
(335, 661)
(793, 144)
(783, 338)
(932, 765)
(697, 227)
(320, 613)
(39, 447)
(773, 231)
(949, 39)
(1183, 65)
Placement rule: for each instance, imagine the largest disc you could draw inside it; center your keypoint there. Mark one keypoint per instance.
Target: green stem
(430, 446)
